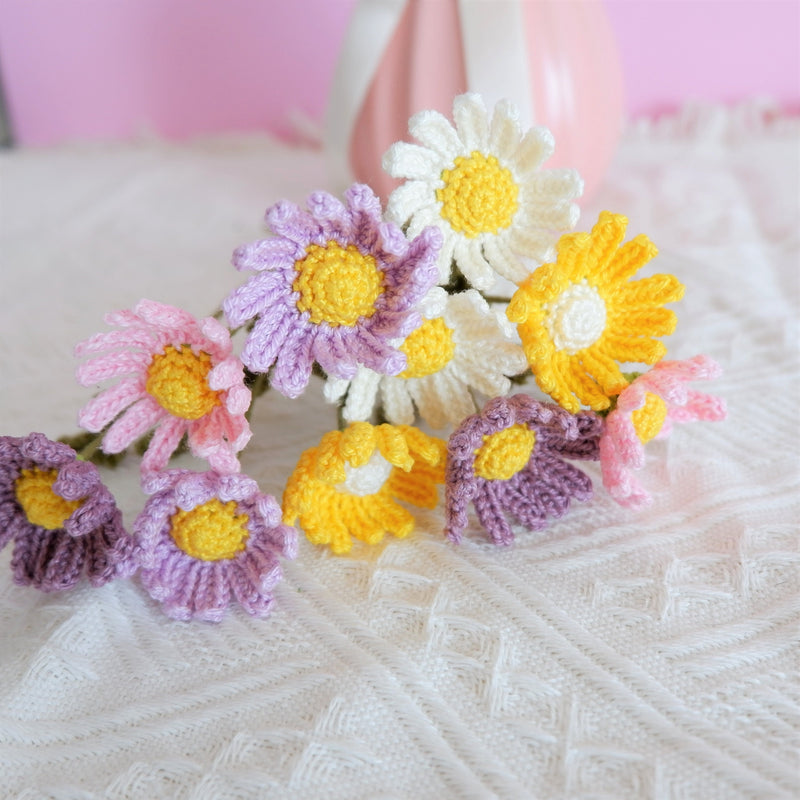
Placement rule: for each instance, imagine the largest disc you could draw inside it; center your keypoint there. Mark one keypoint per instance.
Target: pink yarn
(127, 353)
(621, 450)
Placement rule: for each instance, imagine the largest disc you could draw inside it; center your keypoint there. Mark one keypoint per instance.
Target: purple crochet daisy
(510, 459)
(63, 520)
(335, 285)
(205, 537)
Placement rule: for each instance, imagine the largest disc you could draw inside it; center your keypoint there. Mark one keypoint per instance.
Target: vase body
(559, 59)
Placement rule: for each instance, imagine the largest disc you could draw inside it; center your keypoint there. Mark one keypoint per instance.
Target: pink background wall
(101, 69)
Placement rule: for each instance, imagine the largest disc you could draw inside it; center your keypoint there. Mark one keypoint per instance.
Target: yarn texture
(63, 521)
(207, 540)
(463, 346)
(348, 486)
(335, 285)
(647, 408)
(509, 461)
(480, 183)
(581, 316)
(178, 375)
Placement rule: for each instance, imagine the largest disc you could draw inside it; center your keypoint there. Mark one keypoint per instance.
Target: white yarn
(368, 478)
(544, 208)
(486, 351)
(576, 318)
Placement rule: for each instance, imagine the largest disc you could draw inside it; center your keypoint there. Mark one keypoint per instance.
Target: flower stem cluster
(435, 311)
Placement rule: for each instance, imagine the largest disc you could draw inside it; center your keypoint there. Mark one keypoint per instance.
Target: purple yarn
(541, 490)
(190, 588)
(92, 541)
(286, 338)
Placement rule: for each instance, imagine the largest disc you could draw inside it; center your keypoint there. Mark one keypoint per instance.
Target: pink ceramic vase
(566, 65)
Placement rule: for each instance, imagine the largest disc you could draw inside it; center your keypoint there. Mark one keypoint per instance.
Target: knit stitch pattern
(63, 521)
(541, 489)
(335, 285)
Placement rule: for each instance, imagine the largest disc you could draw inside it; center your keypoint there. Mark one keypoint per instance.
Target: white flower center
(576, 318)
(368, 478)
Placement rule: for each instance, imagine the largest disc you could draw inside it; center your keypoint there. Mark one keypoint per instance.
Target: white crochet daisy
(462, 345)
(480, 182)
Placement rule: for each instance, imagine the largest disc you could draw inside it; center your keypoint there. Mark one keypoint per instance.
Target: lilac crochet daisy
(334, 285)
(509, 459)
(206, 537)
(63, 520)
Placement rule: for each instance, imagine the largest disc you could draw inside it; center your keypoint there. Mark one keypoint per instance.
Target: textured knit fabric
(647, 654)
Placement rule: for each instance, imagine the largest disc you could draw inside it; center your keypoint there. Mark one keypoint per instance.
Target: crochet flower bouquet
(393, 310)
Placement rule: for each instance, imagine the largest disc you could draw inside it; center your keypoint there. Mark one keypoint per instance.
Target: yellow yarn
(428, 348)
(178, 381)
(503, 454)
(211, 532)
(337, 285)
(329, 514)
(42, 506)
(478, 196)
(580, 317)
(649, 419)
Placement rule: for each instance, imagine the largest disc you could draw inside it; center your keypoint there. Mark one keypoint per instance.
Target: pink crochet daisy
(178, 375)
(335, 285)
(646, 408)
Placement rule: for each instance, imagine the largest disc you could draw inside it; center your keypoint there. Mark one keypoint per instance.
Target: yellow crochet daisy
(582, 316)
(348, 485)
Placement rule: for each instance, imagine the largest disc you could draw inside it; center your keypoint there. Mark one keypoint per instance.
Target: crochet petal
(165, 441)
(100, 410)
(469, 114)
(268, 336)
(267, 254)
(135, 422)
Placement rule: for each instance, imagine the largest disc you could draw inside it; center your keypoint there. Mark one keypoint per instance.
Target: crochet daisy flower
(509, 459)
(647, 408)
(335, 285)
(63, 520)
(206, 538)
(461, 345)
(178, 375)
(581, 315)
(481, 184)
(349, 485)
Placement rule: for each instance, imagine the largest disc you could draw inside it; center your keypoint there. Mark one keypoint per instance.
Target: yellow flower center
(478, 196)
(428, 348)
(211, 532)
(337, 285)
(503, 454)
(649, 419)
(42, 506)
(178, 380)
(576, 319)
